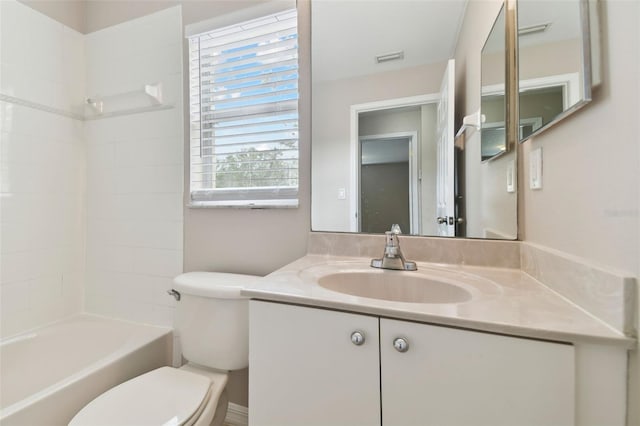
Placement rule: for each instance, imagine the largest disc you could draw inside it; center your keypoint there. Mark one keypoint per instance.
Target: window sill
(245, 204)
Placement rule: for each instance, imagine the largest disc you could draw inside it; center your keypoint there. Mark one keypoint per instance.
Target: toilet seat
(165, 396)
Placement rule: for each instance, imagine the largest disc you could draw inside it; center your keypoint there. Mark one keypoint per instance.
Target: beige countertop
(506, 301)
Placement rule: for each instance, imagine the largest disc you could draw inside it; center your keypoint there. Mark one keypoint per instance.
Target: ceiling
(563, 16)
(347, 35)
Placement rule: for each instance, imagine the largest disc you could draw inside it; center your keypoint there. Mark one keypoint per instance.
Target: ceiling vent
(390, 56)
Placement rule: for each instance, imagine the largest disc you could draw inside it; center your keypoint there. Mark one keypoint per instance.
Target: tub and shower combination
(49, 374)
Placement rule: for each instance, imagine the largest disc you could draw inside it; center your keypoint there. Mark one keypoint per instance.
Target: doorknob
(441, 220)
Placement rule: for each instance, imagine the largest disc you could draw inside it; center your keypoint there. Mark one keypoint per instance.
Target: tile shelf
(150, 96)
(152, 93)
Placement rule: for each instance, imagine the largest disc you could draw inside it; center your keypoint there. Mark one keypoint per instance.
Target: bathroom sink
(395, 286)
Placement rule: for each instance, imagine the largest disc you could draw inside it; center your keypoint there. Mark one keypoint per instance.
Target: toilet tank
(212, 319)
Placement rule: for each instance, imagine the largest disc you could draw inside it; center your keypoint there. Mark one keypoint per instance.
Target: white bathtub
(49, 374)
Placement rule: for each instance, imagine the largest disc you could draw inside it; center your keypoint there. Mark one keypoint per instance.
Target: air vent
(390, 56)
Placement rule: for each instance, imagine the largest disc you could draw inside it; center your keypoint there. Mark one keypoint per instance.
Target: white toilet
(212, 320)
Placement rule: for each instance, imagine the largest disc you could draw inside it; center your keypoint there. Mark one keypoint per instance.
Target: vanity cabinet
(307, 367)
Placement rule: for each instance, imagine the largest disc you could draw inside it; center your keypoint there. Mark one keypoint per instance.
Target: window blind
(244, 113)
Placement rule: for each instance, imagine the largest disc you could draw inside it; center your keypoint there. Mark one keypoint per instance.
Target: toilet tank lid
(213, 284)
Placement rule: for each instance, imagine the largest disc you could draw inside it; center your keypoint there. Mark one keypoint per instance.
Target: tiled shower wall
(90, 211)
(42, 162)
(135, 171)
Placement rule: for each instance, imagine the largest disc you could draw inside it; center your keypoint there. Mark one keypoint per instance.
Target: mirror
(381, 78)
(554, 62)
(493, 107)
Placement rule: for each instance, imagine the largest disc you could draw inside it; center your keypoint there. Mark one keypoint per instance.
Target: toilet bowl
(211, 320)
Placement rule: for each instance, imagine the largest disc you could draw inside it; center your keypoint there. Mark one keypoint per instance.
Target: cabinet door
(305, 370)
(456, 377)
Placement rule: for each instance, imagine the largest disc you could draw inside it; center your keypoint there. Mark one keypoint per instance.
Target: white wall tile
(149, 179)
(135, 171)
(16, 267)
(14, 297)
(15, 21)
(101, 180)
(113, 185)
(111, 258)
(158, 288)
(162, 315)
(101, 155)
(16, 236)
(16, 207)
(148, 207)
(155, 234)
(44, 289)
(160, 263)
(43, 174)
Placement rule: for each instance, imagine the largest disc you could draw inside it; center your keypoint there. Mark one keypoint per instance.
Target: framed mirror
(554, 62)
(383, 115)
(493, 136)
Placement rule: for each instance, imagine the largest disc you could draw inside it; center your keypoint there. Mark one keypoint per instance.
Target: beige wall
(588, 205)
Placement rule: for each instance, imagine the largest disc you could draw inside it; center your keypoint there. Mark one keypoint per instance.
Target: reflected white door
(445, 208)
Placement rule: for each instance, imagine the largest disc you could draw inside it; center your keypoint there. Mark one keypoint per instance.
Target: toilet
(212, 322)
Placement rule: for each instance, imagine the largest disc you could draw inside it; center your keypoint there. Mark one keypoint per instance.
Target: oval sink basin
(395, 286)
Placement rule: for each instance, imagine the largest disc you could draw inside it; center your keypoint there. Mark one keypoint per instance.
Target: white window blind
(244, 113)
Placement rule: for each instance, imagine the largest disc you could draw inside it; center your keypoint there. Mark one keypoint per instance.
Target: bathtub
(47, 375)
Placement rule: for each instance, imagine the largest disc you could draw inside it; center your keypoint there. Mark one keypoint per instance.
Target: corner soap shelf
(146, 99)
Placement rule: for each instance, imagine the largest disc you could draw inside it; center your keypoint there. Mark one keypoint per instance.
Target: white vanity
(493, 347)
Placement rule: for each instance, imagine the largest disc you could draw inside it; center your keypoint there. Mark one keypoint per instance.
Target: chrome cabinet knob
(401, 344)
(357, 338)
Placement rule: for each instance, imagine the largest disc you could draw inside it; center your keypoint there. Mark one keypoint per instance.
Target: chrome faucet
(392, 257)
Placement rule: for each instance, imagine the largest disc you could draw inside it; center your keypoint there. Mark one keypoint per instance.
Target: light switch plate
(511, 177)
(342, 194)
(535, 169)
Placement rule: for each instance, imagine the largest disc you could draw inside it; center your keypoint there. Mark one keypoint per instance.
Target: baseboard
(237, 415)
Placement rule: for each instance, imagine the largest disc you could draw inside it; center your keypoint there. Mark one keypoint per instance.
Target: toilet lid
(165, 396)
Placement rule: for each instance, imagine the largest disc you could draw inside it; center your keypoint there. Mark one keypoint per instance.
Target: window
(244, 114)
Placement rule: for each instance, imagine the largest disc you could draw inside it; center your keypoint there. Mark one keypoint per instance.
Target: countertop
(505, 301)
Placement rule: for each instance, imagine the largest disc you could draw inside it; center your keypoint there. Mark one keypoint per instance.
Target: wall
(490, 209)
(71, 13)
(332, 101)
(232, 240)
(135, 169)
(42, 164)
(253, 241)
(588, 206)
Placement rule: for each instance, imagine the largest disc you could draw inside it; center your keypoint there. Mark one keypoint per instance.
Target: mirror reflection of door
(413, 119)
(386, 186)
